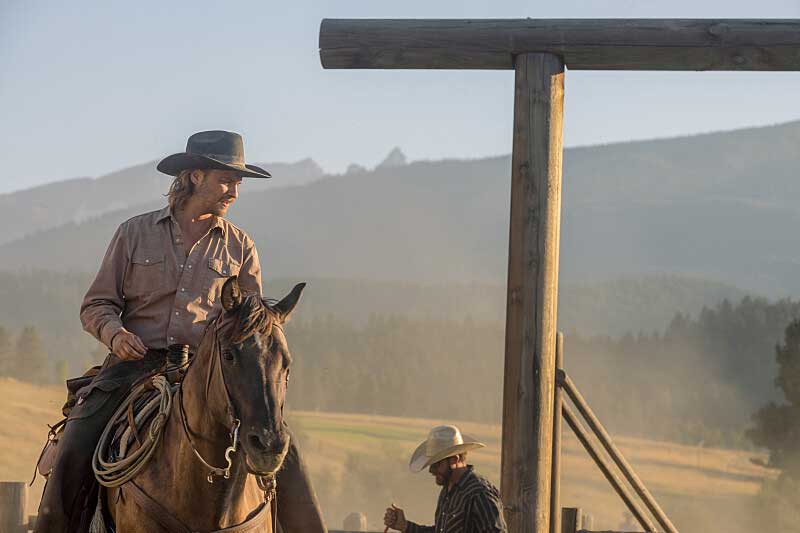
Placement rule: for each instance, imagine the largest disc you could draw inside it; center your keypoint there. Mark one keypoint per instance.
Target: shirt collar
(463, 479)
(219, 222)
(166, 213)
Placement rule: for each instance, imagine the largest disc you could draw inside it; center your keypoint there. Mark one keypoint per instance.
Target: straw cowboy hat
(442, 442)
(222, 150)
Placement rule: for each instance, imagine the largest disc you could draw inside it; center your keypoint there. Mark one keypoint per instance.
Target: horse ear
(287, 305)
(231, 294)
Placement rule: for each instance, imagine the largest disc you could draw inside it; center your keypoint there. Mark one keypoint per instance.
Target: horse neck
(205, 398)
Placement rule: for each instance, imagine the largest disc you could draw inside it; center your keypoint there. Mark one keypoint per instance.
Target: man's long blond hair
(180, 190)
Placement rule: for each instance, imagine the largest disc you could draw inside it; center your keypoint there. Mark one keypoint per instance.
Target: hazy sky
(88, 87)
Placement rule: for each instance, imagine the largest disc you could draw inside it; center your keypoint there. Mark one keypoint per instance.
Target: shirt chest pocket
(217, 272)
(145, 274)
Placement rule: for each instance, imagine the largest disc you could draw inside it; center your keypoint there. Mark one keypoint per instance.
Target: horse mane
(254, 315)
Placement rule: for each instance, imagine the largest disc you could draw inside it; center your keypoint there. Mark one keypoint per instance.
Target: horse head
(254, 360)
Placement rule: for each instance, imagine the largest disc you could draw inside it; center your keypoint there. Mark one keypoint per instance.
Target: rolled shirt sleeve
(413, 527)
(104, 301)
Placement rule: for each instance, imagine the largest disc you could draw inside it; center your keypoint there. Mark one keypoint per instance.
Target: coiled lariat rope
(115, 472)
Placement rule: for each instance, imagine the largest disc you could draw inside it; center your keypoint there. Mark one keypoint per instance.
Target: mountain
(718, 206)
(26, 212)
(395, 158)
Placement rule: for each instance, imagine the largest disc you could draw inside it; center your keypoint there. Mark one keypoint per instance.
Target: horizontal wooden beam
(584, 44)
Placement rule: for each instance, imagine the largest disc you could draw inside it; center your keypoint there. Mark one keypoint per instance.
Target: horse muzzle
(265, 453)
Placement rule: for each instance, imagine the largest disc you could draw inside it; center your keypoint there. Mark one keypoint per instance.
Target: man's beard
(220, 207)
(444, 479)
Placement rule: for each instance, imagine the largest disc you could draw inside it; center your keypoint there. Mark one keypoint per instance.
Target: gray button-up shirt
(149, 285)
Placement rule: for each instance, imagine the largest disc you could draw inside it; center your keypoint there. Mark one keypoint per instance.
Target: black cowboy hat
(223, 150)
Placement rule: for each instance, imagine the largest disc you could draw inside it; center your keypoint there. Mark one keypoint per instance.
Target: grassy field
(359, 464)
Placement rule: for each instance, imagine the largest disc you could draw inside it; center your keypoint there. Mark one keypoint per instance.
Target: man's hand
(128, 346)
(395, 518)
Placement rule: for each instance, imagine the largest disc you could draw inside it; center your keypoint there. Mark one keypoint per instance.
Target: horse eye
(227, 355)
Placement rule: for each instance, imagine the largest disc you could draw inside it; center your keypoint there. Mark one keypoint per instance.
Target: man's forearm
(104, 301)
(102, 322)
(413, 527)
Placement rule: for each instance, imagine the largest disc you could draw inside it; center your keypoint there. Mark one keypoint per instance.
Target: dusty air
(328, 270)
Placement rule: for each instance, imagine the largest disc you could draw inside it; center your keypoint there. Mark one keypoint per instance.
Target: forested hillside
(696, 382)
(396, 348)
(50, 301)
(717, 206)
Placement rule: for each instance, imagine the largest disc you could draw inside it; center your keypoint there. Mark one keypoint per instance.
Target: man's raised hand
(395, 518)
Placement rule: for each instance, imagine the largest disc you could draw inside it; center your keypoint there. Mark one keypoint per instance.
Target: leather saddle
(48, 456)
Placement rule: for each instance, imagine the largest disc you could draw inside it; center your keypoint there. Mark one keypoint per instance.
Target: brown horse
(234, 389)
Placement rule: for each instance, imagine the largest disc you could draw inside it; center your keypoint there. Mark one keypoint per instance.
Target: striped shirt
(473, 505)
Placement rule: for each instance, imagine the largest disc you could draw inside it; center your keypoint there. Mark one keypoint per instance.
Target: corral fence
(601, 448)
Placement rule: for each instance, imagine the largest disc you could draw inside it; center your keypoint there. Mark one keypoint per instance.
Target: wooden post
(532, 292)
(555, 497)
(571, 520)
(12, 506)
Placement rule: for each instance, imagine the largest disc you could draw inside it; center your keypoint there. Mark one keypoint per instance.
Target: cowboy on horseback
(159, 286)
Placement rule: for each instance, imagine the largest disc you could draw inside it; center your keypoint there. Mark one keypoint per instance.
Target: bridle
(234, 435)
(266, 481)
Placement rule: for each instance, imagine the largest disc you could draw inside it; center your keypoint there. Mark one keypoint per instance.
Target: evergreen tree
(777, 428)
(31, 358)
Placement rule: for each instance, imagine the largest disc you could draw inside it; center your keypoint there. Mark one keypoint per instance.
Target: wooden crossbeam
(583, 44)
